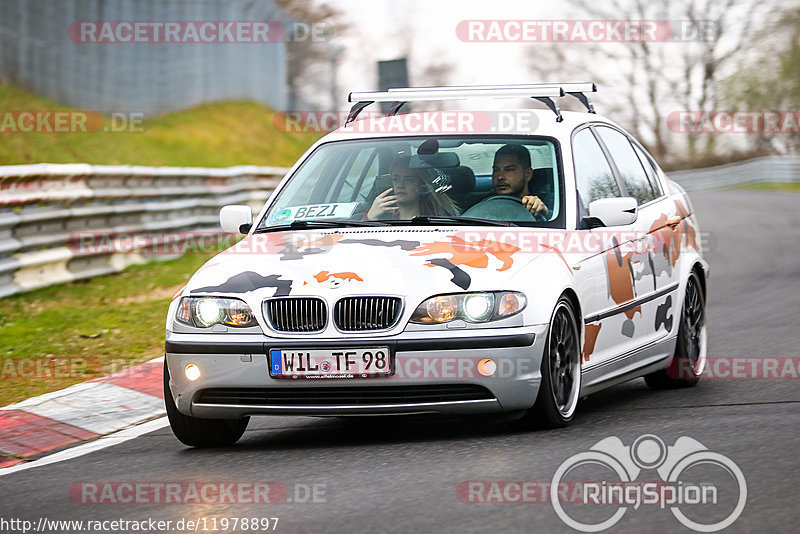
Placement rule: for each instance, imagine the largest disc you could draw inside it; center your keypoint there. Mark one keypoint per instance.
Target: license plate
(368, 362)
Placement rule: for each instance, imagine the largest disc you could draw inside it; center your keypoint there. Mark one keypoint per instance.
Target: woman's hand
(384, 206)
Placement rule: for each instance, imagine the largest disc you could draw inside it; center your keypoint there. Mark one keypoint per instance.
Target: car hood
(415, 263)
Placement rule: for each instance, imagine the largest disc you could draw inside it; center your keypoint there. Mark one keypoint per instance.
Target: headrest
(462, 179)
(542, 177)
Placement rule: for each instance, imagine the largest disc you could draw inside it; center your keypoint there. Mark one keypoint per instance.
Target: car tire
(688, 362)
(197, 432)
(560, 386)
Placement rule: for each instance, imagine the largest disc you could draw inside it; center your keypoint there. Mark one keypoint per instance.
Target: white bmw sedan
(400, 271)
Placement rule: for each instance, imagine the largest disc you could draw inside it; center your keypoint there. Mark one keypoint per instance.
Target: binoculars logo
(626, 463)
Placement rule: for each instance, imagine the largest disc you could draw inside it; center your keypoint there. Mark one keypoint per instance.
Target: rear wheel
(561, 373)
(197, 432)
(690, 351)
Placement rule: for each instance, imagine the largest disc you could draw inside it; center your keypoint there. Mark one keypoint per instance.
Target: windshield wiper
(442, 219)
(304, 225)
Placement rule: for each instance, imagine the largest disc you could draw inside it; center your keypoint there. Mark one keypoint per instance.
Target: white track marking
(92, 446)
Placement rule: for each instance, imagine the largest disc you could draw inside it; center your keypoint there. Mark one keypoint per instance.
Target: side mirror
(236, 219)
(613, 211)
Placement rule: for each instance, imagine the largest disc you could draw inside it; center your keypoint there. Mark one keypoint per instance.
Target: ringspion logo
(696, 505)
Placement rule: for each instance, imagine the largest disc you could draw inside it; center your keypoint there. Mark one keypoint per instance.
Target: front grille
(337, 396)
(358, 314)
(296, 314)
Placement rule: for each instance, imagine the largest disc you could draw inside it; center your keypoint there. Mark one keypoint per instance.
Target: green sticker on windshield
(342, 210)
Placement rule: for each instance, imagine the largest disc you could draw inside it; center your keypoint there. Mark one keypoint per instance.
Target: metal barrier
(60, 223)
(769, 169)
(45, 208)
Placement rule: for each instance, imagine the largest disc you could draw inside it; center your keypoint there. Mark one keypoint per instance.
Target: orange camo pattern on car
(322, 276)
(671, 239)
(472, 253)
(620, 280)
(688, 229)
(560, 255)
(590, 338)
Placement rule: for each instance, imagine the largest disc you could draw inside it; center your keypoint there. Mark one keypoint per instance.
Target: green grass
(219, 134)
(57, 336)
(771, 186)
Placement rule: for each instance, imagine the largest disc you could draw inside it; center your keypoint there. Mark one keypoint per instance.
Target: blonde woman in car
(412, 193)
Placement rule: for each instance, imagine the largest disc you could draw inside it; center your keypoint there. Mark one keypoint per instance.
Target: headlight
(204, 312)
(471, 307)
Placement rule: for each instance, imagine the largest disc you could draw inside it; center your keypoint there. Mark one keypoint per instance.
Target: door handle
(674, 221)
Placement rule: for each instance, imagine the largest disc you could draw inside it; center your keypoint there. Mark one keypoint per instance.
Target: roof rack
(543, 92)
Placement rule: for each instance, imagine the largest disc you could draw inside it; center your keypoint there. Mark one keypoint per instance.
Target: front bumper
(435, 372)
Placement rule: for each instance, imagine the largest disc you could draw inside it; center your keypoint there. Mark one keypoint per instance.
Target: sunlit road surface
(402, 475)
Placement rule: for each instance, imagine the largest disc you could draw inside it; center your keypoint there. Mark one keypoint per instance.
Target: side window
(628, 164)
(593, 174)
(649, 168)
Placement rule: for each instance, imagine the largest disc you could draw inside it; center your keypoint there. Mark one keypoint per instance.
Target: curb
(80, 412)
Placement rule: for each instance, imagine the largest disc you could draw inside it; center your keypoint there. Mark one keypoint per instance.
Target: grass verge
(57, 336)
(219, 134)
(772, 186)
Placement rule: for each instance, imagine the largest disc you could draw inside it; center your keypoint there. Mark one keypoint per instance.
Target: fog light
(487, 367)
(192, 372)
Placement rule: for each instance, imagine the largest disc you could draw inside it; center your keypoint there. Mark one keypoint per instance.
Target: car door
(652, 272)
(602, 274)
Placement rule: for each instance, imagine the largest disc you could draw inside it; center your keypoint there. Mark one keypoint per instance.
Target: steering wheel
(502, 208)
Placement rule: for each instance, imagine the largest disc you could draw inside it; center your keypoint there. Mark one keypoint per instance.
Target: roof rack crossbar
(355, 110)
(584, 100)
(440, 93)
(395, 108)
(568, 87)
(543, 92)
(551, 104)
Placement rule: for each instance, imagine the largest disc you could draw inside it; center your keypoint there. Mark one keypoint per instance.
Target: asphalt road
(379, 475)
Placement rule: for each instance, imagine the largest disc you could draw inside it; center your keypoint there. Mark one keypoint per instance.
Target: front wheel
(561, 373)
(689, 360)
(197, 432)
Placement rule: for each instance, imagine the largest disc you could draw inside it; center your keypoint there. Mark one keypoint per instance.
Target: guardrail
(44, 207)
(769, 169)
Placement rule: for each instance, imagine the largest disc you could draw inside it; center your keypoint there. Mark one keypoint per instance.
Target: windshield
(445, 180)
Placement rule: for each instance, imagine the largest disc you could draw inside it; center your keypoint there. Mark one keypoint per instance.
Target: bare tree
(308, 56)
(652, 78)
(768, 78)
